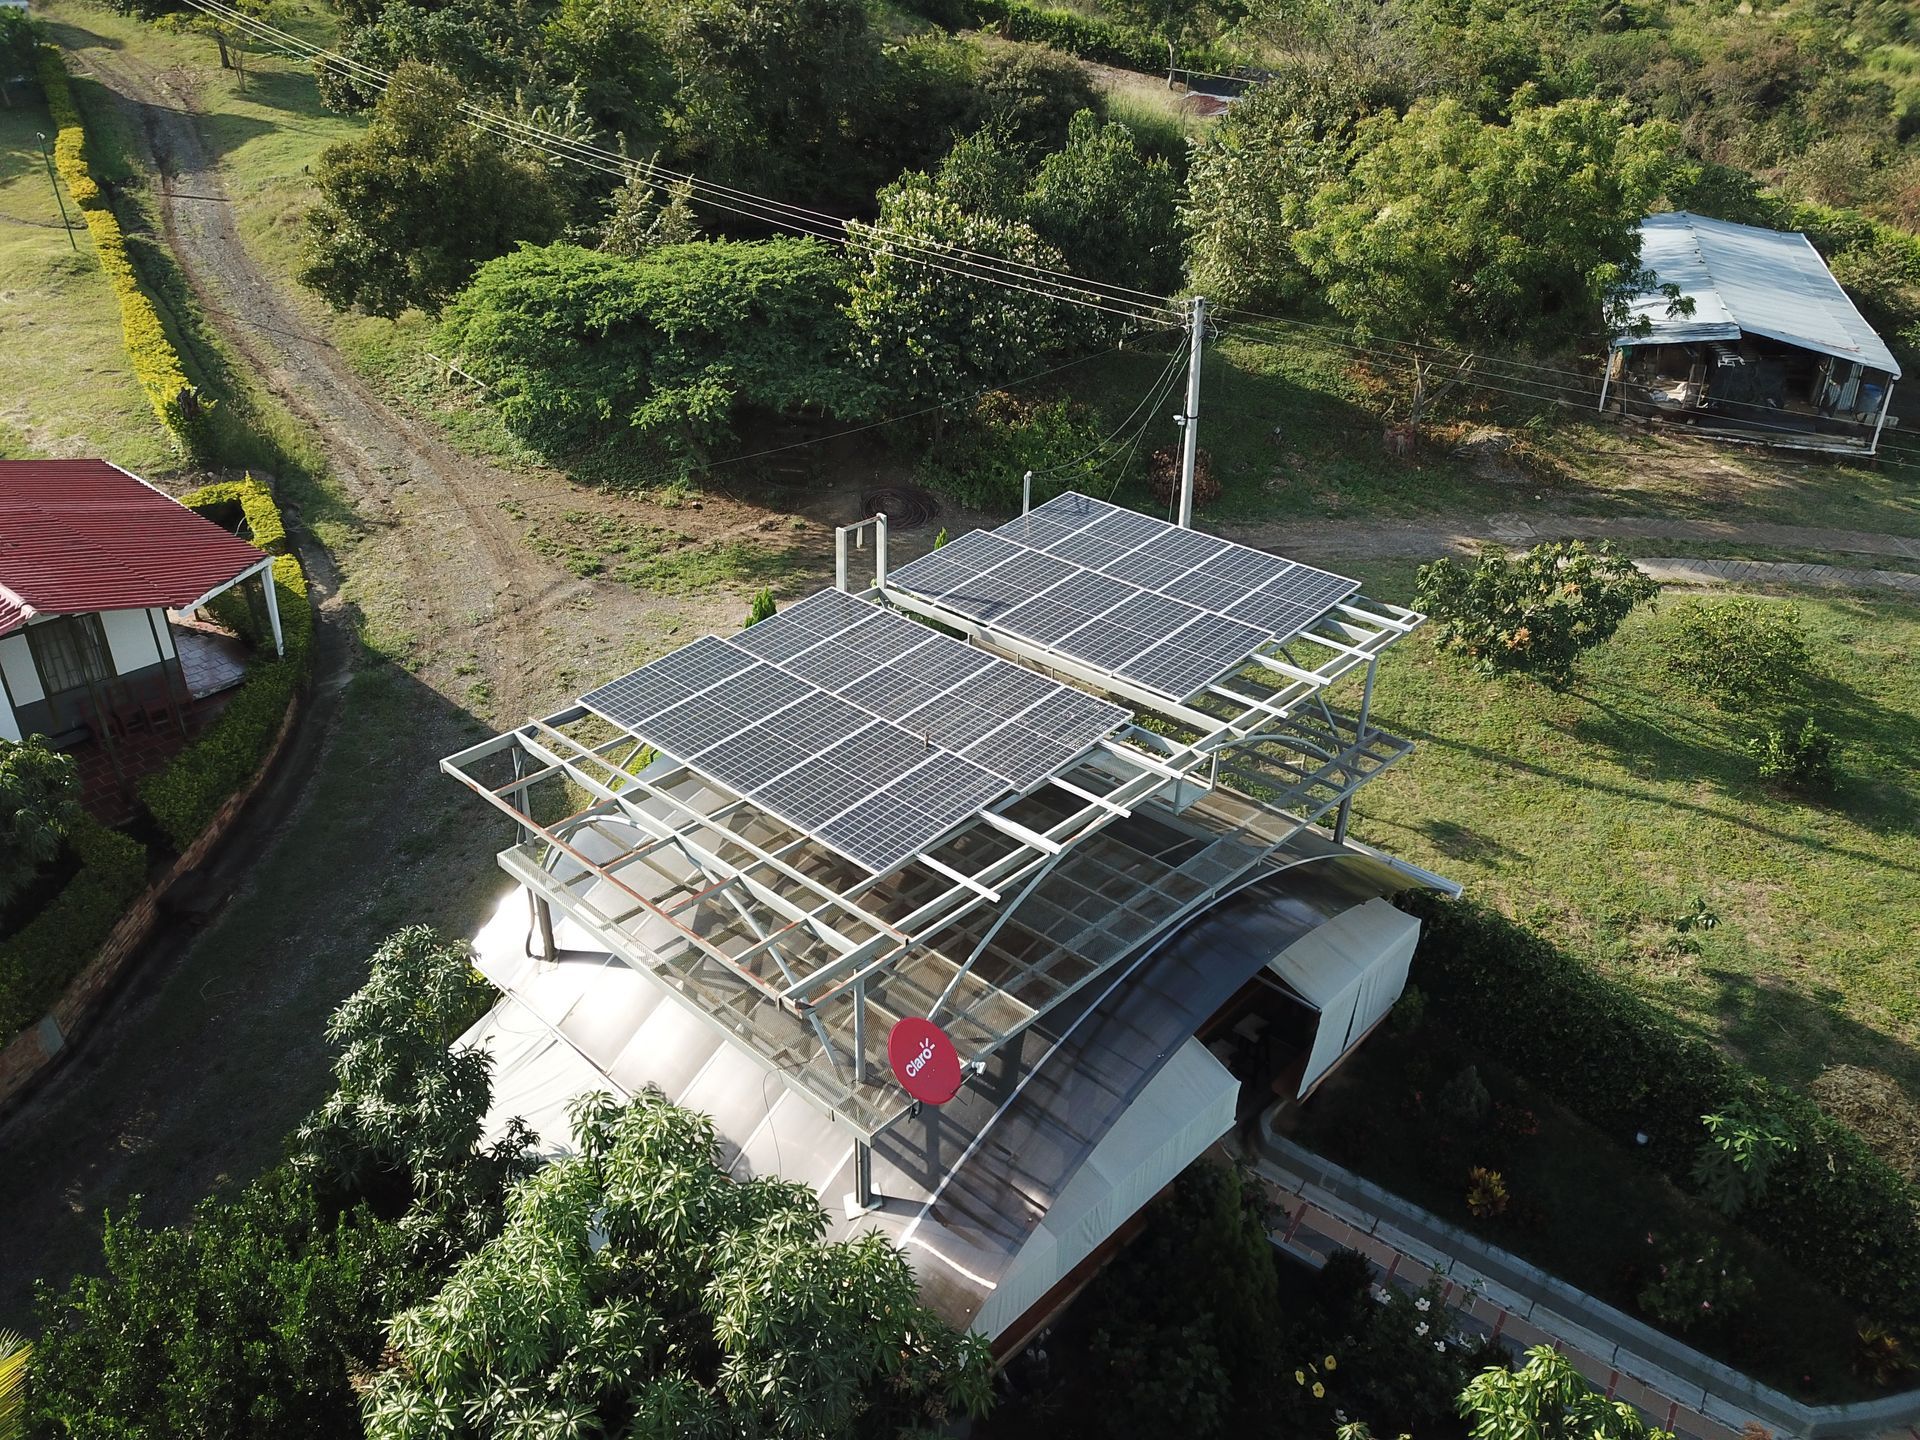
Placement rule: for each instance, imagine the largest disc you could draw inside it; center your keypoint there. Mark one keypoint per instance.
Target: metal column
(1190, 421)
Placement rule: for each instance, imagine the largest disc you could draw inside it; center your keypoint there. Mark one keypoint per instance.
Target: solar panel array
(1170, 609)
(873, 733)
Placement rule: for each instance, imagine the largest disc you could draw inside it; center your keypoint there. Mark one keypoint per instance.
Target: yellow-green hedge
(156, 364)
(264, 525)
(39, 961)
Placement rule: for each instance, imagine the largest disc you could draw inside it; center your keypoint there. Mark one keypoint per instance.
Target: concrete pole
(1190, 422)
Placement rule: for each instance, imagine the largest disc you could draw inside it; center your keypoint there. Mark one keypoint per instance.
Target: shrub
(1536, 614)
(46, 953)
(184, 796)
(264, 527)
(1465, 1099)
(39, 802)
(1487, 1197)
(1835, 1209)
(156, 364)
(1032, 93)
(1803, 758)
(1738, 1155)
(1694, 1281)
(983, 460)
(762, 607)
(1739, 652)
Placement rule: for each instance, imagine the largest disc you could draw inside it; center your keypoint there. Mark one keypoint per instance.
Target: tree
(248, 1324)
(413, 207)
(401, 1128)
(18, 47)
(1030, 94)
(647, 215)
(1447, 231)
(637, 1289)
(39, 804)
(1250, 179)
(613, 50)
(1536, 614)
(1110, 210)
(1547, 1399)
(580, 348)
(931, 333)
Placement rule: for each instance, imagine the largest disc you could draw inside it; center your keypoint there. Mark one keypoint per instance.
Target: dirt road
(215, 1049)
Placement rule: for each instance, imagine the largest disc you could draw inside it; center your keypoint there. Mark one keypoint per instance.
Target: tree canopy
(409, 210)
(637, 1289)
(39, 802)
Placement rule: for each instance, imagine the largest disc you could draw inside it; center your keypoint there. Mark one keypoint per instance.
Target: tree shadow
(1464, 842)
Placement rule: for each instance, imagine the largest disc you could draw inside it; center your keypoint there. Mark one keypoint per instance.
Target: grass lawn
(1579, 1205)
(1604, 814)
(66, 387)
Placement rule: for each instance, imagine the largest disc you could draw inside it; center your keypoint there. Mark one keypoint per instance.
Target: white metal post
(840, 558)
(1606, 379)
(1190, 421)
(880, 547)
(1026, 492)
(273, 608)
(1886, 404)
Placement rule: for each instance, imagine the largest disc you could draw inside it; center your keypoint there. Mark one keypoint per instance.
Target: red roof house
(92, 560)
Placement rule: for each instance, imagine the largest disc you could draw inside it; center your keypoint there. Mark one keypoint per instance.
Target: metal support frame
(1886, 404)
(1190, 419)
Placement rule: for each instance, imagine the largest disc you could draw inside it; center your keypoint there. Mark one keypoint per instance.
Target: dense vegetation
(395, 1278)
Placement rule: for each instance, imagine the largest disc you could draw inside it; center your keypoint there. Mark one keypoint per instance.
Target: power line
(1043, 281)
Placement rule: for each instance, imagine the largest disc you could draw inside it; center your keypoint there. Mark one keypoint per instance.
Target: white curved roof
(1743, 279)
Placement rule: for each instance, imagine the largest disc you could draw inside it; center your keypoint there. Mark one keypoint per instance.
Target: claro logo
(924, 1060)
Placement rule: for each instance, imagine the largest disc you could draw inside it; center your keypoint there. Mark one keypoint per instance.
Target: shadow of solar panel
(666, 681)
(776, 638)
(1185, 548)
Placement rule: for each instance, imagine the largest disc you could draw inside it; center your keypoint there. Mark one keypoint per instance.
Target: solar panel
(1138, 583)
(846, 720)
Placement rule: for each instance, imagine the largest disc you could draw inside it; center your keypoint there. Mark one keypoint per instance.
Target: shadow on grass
(1792, 1031)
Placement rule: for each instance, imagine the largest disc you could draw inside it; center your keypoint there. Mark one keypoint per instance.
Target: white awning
(1351, 970)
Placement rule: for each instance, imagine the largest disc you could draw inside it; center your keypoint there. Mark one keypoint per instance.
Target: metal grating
(848, 721)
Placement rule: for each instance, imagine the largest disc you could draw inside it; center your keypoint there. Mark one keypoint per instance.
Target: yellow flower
(1299, 1377)
(1330, 1365)
(1319, 1391)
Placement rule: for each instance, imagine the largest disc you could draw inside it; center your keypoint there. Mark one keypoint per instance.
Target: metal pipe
(1878, 425)
(543, 912)
(1190, 422)
(880, 547)
(863, 1195)
(1606, 379)
(1340, 821)
(1026, 492)
(840, 558)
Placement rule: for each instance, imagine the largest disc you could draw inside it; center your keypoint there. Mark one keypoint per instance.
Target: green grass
(1580, 1205)
(1600, 815)
(66, 387)
(653, 558)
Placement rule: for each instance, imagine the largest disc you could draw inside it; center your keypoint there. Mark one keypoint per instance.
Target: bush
(1802, 758)
(1695, 1280)
(1031, 93)
(251, 1322)
(1739, 652)
(39, 803)
(1536, 614)
(263, 526)
(1834, 1209)
(37, 963)
(184, 796)
(156, 364)
(983, 460)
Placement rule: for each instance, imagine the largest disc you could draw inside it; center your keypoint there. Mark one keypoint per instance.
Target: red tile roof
(82, 535)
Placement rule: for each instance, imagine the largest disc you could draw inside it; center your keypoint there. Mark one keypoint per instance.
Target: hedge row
(265, 528)
(1834, 1208)
(156, 364)
(182, 798)
(38, 962)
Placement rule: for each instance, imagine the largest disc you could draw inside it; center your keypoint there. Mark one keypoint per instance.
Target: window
(70, 652)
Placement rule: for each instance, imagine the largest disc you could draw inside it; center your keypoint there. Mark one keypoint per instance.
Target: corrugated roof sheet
(78, 536)
(1742, 278)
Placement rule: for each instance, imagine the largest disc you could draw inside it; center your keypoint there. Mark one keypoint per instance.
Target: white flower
(1441, 1346)
(1421, 1328)
(1423, 1304)
(1341, 1416)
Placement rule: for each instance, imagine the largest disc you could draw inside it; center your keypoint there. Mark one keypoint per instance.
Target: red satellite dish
(924, 1060)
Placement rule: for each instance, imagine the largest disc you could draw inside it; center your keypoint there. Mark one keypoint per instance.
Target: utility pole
(1190, 421)
(54, 180)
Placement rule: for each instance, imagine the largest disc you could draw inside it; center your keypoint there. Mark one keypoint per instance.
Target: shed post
(1606, 379)
(1886, 404)
(272, 593)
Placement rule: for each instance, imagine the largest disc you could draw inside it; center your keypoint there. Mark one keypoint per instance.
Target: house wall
(130, 649)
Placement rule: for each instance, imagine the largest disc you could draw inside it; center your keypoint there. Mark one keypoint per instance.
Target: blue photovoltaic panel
(801, 714)
(1121, 554)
